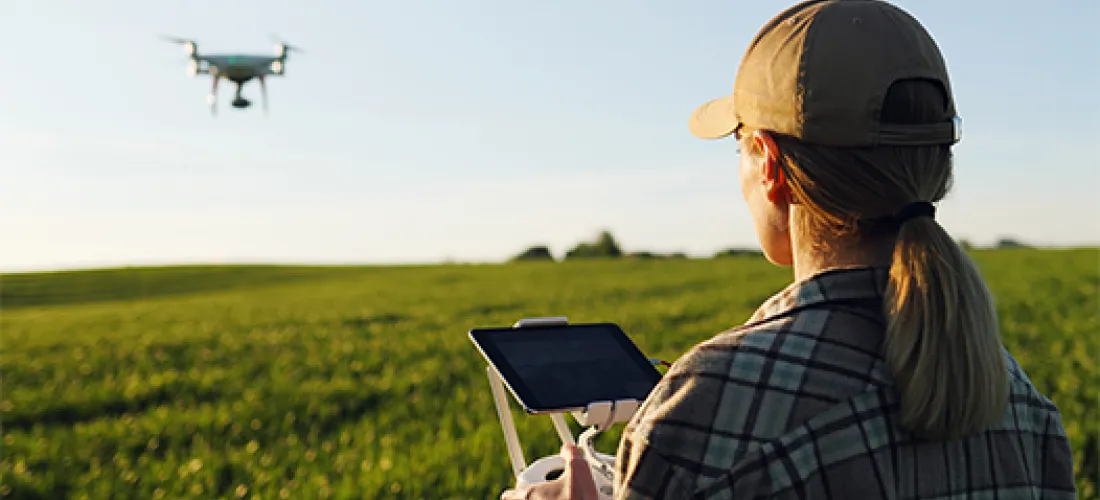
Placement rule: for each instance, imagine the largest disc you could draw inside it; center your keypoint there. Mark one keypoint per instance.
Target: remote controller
(596, 417)
(550, 468)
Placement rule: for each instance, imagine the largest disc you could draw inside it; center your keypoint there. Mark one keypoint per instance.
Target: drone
(236, 68)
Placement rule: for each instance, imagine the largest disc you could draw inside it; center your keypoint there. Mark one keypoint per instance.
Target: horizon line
(440, 262)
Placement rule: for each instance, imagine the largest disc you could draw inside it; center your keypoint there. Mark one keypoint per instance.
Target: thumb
(581, 484)
(571, 452)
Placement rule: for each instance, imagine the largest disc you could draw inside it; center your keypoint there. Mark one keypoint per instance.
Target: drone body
(236, 68)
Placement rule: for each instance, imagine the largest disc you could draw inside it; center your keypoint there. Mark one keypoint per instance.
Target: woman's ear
(775, 182)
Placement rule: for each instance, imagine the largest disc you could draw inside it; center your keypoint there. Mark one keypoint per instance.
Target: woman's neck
(815, 255)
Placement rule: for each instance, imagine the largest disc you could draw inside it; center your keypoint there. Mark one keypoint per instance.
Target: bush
(738, 252)
(647, 255)
(1006, 243)
(605, 246)
(539, 252)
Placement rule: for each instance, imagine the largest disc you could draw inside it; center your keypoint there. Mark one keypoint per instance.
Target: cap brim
(714, 119)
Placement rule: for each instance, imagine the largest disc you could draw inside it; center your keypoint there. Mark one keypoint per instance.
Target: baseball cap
(819, 72)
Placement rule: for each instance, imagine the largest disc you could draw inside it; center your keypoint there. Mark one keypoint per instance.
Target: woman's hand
(575, 483)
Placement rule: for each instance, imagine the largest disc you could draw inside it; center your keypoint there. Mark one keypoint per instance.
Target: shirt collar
(837, 284)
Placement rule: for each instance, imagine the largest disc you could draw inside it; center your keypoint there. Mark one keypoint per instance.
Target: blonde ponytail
(942, 343)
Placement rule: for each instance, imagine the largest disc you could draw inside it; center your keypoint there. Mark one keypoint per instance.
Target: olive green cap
(819, 71)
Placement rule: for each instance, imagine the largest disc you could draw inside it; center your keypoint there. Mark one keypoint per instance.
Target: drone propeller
(284, 46)
(190, 46)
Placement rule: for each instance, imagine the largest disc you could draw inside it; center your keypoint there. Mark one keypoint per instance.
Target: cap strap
(915, 209)
(920, 135)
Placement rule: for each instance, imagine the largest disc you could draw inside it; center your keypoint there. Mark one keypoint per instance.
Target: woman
(879, 372)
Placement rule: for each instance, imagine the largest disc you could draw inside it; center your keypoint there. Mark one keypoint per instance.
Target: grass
(359, 382)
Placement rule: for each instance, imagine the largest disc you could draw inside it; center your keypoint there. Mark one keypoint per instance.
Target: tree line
(605, 246)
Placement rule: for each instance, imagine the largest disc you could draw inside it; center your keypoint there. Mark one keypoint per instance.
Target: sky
(427, 131)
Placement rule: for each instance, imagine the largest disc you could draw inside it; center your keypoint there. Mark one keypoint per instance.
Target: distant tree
(966, 245)
(739, 252)
(605, 246)
(647, 255)
(539, 252)
(1007, 243)
(581, 251)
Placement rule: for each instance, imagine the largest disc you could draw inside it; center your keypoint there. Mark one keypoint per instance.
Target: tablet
(561, 368)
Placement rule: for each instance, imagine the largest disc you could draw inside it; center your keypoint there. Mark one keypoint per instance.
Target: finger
(570, 452)
(579, 481)
(576, 465)
(546, 490)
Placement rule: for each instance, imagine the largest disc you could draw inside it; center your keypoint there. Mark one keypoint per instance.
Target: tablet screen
(560, 368)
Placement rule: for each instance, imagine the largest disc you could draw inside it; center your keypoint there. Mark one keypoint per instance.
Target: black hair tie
(915, 209)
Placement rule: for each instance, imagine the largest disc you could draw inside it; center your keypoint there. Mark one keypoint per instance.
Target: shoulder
(1029, 410)
(700, 419)
(728, 396)
(784, 367)
(724, 398)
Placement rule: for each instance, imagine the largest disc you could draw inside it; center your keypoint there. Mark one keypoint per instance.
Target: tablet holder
(598, 416)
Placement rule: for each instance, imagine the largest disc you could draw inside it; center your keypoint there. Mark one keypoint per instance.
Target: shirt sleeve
(698, 423)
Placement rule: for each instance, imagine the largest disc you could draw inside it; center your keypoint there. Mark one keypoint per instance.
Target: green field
(326, 382)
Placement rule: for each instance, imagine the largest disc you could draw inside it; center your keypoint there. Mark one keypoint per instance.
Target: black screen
(567, 367)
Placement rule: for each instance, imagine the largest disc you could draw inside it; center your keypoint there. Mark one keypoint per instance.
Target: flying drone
(236, 68)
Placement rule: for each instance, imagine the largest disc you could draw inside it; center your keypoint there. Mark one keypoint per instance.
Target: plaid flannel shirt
(798, 403)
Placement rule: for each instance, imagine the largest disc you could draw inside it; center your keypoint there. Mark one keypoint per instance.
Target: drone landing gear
(212, 99)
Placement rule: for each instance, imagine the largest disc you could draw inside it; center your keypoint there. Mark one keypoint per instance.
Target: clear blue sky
(427, 130)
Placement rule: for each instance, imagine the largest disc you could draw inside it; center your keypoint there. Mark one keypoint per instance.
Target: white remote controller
(551, 467)
(596, 416)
